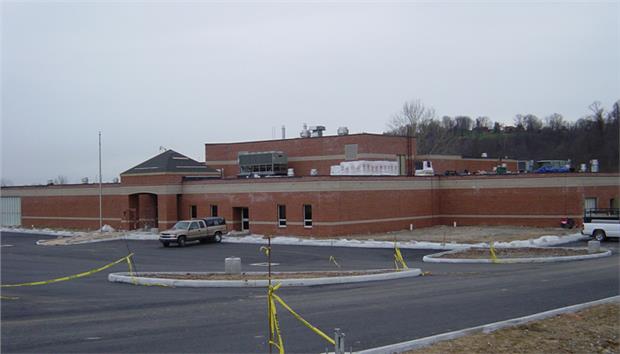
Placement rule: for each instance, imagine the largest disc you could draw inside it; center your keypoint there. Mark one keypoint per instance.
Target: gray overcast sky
(182, 74)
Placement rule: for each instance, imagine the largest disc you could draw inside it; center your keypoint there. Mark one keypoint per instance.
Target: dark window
(213, 210)
(193, 212)
(307, 215)
(193, 226)
(282, 215)
(210, 222)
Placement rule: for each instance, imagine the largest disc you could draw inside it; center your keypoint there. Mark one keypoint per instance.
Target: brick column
(167, 211)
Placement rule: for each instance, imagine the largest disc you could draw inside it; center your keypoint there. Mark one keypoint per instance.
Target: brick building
(170, 186)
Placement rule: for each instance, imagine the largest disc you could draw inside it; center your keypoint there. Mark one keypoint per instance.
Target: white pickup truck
(601, 223)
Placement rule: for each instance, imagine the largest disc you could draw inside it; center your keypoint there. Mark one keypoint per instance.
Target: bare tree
(598, 113)
(412, 115)
(555, 122)
(448, 123)
(519, 122)
(463, 123)
(61, 180)
(532, 123)
(497, 128)
(483, 122)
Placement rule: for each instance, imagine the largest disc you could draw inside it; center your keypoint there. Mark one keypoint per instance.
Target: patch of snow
(542, 241)
(107, 228)
(289, 240)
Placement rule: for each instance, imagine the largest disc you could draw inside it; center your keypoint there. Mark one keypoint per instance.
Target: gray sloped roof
(170, 161)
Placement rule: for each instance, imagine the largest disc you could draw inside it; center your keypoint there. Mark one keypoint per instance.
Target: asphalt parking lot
(93, 315)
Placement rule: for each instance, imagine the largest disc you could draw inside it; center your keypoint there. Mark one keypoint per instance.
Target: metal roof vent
(305, 133)
(343, 131)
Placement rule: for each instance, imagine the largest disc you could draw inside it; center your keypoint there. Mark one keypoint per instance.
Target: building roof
(170, 161)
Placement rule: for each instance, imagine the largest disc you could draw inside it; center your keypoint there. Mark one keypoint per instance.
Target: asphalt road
(92, 315)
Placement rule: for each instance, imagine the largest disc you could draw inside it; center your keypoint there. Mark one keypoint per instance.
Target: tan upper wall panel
(534, 182)
(330, 185)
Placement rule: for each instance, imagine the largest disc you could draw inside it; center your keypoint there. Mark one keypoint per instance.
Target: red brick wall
(324, 146)
(75, 212)
(328, 207)
(466, 200)
(536, 206)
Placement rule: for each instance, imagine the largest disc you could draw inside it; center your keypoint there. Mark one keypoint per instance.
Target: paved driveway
(92, 315)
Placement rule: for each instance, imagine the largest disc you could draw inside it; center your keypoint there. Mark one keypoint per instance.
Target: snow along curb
(435, 258)
(488, 328)
(261, 283)
(542, 241)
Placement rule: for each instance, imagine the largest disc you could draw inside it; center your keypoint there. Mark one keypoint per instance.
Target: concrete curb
(435, 258)
(126, 278)
(488, 328)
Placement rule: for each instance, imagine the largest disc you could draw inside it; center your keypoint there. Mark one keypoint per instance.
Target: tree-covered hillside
(594, 136)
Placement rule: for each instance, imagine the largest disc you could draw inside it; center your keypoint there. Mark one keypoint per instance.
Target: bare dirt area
(593, 330)
(467, 234)
(525, 252)
(259, 276)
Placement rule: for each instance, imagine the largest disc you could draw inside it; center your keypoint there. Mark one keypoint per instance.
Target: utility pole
(100, 189)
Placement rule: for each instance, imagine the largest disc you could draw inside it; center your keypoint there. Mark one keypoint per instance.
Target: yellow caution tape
(306, 323)
(265, 250)
(332, 259)
(399, 261)
(492, 250)
(75, 276)
(131, 273)
(273, 320)
(274, 327)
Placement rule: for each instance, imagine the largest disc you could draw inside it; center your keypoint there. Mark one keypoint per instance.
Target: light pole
(100, 189)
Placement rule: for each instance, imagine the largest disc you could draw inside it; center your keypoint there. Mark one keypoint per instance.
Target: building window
(613, 203)
(281, 215)
(307, 216)
(193, 212)
(589, 203)
(213, 210)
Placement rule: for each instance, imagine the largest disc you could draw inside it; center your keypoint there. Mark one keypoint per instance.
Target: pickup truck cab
(203, 230)
(601, 223)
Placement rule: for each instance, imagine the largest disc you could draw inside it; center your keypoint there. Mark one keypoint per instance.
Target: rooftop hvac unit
(343, 131)
(269, 163)
(317, 131)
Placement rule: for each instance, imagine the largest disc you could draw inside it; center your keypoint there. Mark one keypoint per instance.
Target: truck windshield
(181, 225)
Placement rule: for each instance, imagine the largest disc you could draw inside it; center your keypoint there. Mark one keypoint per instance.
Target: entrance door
(245, 219)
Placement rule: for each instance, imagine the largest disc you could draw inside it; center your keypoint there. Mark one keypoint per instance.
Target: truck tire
(599, 235)
(181, 241)
(217, 237)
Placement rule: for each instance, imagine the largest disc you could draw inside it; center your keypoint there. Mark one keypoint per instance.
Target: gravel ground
(484, 253)
(593, 330)
(467, 234)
